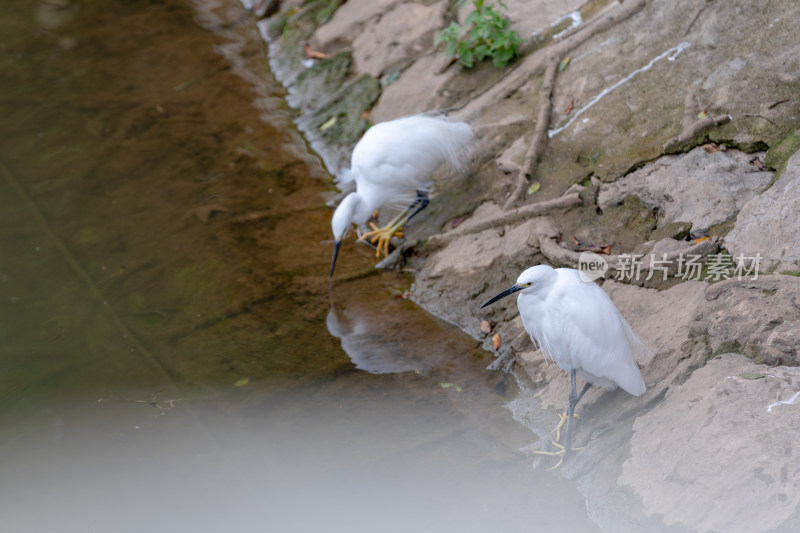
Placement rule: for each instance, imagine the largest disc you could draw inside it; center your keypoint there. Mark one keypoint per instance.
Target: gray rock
(662, 319)
(701, 187)
(717, 454)
(349, 20)
(416, 90)
(732, 70)
(398, 37)
(769, 224)
(316, 84)
(759, 318)
(672, 230)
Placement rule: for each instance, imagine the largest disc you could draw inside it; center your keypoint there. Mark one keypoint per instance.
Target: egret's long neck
(351, 210)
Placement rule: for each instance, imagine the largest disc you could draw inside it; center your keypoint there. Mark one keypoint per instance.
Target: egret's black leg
(422, 200)
(583, 391)
(574, 398)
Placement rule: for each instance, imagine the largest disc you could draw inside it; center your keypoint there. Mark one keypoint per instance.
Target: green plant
(485, 34)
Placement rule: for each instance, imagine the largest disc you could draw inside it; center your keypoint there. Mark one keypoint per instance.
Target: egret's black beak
(510, 290)
(335, 255)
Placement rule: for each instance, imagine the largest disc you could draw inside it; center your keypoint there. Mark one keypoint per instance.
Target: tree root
(528, 170)
(509, 217)
(691, 125)
(546, 61)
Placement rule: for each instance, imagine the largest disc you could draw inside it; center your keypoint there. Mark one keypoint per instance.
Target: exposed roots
(546, 61)
(528, 170)
(691, 125)
(509, 217)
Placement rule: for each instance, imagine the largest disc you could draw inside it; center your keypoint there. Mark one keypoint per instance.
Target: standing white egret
(392, 166)
(576, 324)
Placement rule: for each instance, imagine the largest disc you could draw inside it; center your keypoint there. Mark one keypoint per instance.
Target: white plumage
(576, 324)
(393, 165)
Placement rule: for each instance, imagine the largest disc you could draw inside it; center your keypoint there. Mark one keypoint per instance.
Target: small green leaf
(562, 65)
(485, 34)
(448, 385)
(750, 375)
(502, 58)
(242, 382)
(534, 188)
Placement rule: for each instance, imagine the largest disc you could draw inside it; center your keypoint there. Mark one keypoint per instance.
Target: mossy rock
(323, 78)
(624, 226)
(347, 107)
(721, 229)
(672, 230)
(288, 31)
(781, 152)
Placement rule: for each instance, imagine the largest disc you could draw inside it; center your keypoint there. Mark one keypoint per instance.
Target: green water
(172, 355)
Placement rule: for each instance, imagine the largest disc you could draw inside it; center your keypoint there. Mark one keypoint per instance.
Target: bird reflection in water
(372, 343)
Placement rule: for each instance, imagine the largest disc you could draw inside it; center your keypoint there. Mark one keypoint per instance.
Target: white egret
(576, 324)
(392, 166)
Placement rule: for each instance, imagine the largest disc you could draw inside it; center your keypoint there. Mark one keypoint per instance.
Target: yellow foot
(562, 417)
(560, 452)
(380, 237)
(560, 449)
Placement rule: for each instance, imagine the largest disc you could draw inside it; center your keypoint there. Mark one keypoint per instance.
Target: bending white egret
(392, 166)
(576, 324)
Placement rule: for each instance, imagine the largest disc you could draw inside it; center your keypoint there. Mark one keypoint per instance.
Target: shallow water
(172, 356)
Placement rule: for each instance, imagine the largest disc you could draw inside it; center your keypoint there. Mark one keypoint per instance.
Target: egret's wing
(404, 153)
(642, 353)
(600, 340)
(542, 327)
(383, 186)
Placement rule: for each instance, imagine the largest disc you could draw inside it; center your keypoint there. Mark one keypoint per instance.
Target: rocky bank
(672, 137)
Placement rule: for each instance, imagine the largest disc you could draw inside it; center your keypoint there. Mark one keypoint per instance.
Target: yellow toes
(560, 454)
(380, 237)
(562, 417)
(561, 450)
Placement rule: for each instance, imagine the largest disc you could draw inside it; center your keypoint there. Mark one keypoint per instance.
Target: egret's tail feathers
(642, 353)
(455, 146)
(630, 379)
(445, 141)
